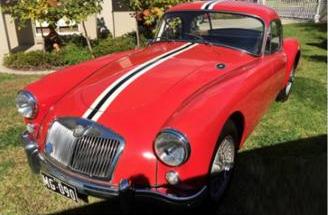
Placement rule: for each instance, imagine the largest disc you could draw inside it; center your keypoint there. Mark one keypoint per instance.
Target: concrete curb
(5, 70)
(286, 21)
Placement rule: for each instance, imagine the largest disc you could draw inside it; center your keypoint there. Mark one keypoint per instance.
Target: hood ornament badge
(78, 131)
(220, 66)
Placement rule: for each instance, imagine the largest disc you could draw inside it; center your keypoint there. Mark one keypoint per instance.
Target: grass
(281, 170)
(304, 115)
(10, 122)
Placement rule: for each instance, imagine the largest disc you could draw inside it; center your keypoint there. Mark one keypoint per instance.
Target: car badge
(79, 131)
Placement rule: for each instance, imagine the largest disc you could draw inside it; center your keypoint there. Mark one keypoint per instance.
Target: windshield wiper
(200, 38)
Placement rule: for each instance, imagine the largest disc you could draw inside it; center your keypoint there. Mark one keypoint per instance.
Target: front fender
(201, 119)
(51, 88)
(292, 49)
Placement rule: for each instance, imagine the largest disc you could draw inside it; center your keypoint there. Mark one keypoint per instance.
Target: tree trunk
(137, 31)
(88, 39)
(43, 38)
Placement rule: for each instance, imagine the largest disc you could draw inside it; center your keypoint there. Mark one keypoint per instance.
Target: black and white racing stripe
(206, 4)
(209, 5)
(104, 100)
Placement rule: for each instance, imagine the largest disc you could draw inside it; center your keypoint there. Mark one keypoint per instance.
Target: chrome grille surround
(84, 146)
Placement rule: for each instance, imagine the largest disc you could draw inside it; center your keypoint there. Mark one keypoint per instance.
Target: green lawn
(281, 170)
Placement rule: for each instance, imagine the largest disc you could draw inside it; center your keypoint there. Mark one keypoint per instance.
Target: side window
(274, 39)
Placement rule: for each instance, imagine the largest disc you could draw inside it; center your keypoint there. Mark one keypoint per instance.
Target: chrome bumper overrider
(84, 187)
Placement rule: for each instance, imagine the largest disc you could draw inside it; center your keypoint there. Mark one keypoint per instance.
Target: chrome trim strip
(172, 197)
(32, 152)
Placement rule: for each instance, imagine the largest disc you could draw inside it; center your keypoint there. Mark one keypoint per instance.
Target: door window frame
(279, 24)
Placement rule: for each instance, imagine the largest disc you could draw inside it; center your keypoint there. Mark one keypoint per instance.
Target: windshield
(226, 29)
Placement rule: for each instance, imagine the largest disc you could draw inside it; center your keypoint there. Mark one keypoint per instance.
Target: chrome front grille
(60, 143)
(84, 146)
(93, 155)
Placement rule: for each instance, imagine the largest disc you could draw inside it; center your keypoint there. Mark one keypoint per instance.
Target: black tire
(287, 90)
(219, 182)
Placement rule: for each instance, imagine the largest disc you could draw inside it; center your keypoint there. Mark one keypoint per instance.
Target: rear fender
(292, 49)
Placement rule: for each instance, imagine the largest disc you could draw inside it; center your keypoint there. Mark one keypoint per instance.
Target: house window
(120, 6)
(63, 28)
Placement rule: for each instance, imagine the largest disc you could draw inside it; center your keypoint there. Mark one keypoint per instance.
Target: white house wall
(107, 15)
(11, 30)
(12, 37)
(124, 23)
(4, 46)
(118, 23)
(91, 26)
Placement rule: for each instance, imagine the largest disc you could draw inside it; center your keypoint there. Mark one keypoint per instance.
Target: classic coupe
(164, 121)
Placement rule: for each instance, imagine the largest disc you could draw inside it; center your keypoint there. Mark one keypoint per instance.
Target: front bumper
(85, 188)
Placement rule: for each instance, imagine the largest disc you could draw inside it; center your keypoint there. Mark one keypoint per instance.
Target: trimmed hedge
(31, 60)
(109, 45)
(73, 52)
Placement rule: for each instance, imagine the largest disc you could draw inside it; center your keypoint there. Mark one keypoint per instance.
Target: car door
(272, 67)
(276, 57)
(267, 78)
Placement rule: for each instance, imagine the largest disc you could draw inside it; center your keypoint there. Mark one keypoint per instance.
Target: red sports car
(163, 121)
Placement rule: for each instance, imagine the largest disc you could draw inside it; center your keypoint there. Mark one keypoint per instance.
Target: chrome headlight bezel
(26, 104)
(174, 140)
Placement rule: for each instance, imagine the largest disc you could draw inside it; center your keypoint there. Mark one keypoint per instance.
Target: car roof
(265, 13)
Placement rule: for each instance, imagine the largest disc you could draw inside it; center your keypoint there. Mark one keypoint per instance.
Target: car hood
(154, 95)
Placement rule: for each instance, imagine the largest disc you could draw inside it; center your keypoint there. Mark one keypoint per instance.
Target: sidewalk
(286, 21)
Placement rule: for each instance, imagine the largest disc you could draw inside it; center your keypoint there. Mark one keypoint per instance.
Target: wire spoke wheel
(290, 82)
(222, 167)
(286, 91)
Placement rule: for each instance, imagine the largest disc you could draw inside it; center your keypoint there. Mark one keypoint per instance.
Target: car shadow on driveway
(286, 178)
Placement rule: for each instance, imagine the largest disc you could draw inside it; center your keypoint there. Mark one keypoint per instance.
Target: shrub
(33, 59)
(110, 45)
(76, 39)
(73, 52)
(70, 54)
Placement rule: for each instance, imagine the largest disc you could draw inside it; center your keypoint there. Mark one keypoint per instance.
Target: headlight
(26, 104)
(172, 147)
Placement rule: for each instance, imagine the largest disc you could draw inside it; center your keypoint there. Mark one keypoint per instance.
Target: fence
(300, 9)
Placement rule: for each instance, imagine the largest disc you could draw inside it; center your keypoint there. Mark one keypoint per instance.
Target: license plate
(60, 187)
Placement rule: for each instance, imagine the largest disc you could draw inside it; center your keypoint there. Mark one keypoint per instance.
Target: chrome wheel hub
(225, 156)
(290, 82)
